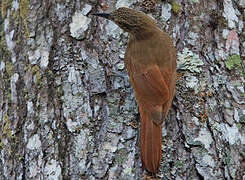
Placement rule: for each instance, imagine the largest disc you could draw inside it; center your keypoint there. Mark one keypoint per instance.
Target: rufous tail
(150, 142)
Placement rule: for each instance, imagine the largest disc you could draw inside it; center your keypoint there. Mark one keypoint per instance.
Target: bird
(150, 60)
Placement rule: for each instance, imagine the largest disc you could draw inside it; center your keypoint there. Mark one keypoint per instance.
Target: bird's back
(155, 50)
(151, 64)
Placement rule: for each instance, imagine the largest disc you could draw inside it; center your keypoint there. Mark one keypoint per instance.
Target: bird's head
(129, 20)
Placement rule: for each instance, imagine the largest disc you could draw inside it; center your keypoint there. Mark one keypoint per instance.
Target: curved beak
(104, 15)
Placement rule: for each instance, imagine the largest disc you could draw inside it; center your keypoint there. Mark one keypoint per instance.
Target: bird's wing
(151, 91)
(152, 94)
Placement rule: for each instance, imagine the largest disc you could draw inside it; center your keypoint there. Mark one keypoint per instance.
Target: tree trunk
(67, 110)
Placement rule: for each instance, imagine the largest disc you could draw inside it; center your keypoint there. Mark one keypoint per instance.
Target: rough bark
(67, 110)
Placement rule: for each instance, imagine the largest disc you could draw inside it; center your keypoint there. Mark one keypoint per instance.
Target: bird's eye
(124, 25)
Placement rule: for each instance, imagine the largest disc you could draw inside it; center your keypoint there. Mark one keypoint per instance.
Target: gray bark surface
(67, 110)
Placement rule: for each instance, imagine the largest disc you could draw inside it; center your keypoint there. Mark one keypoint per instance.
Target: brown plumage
(150, 60)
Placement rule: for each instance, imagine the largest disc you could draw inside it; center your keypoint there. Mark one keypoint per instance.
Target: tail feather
(150, 142)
